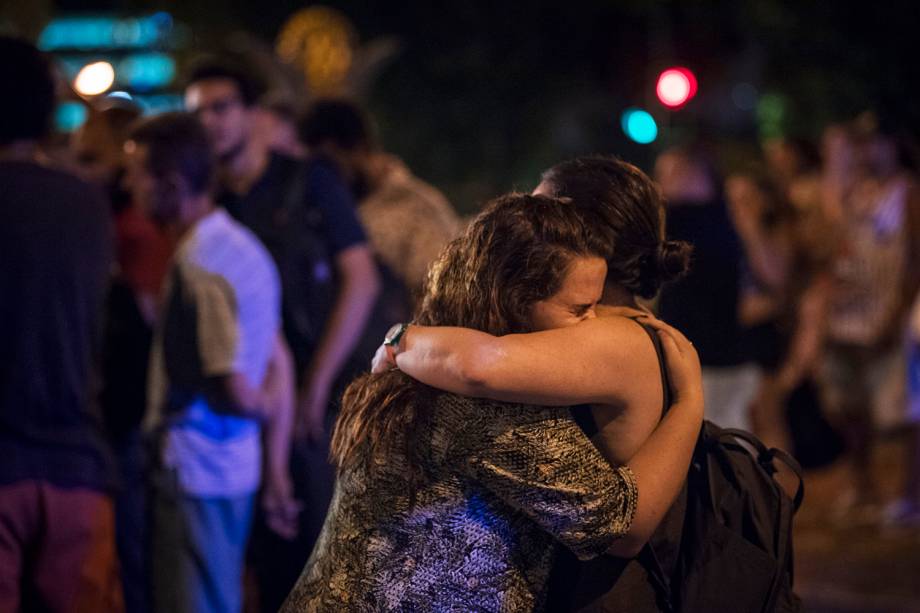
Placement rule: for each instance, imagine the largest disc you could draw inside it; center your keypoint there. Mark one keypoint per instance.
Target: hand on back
(682, 360)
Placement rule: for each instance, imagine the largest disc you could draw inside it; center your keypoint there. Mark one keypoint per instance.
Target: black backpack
(732, 552)
(736, 548)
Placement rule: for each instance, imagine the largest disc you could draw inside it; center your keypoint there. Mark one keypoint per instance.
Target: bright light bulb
(675, 86)
(94, 79)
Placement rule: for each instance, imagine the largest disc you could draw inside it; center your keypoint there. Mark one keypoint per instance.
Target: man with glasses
(303, 212)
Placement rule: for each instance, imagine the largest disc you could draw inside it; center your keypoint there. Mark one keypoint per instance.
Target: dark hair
(282, 105)
(235, 69)
(177, 143)
(119, 116)
(28, 102)
(626, 206)
(515, 253)
(338, 121)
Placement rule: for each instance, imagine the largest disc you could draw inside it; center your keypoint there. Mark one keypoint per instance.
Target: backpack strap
(647, 556)
(295, 191)
(766, 456)
(662, 366)
(659, 579)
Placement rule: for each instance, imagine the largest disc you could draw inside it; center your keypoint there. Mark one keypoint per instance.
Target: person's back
(55, 246)
(478, 531)
(705, 303)
(408, 221)
(56, 477)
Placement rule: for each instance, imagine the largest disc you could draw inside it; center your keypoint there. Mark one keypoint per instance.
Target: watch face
(391, 333)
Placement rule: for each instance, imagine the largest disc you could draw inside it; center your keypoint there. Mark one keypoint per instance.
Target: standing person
(57, 528)
(142, 254)
(304, 214)
(219, 369)
(764, 226)
(874, 284)
(496, 484)
(276, 119)
(704, 304)
(407, 221)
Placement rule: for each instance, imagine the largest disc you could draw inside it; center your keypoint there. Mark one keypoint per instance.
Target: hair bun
(673, 260)
(669, 262)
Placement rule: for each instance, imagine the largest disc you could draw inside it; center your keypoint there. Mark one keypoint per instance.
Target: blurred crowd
(259, 253)
(803, 297)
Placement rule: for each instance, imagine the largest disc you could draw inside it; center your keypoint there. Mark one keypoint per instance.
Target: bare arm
(272, 403)
(658, 469)
(764, 250)
(593, 362)
(281, 509)
(360, 285)
(808, 337)
(278, 389)
(660, 466)
(236, 395)
(766, 255)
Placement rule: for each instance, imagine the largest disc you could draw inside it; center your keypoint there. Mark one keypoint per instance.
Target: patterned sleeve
(538, 461)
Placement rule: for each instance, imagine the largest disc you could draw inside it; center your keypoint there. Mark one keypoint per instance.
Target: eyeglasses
(218, 107)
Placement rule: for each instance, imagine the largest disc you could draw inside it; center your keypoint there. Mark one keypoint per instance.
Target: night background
(478, 97)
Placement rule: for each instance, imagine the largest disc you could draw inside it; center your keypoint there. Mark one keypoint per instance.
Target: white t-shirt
(220, 315)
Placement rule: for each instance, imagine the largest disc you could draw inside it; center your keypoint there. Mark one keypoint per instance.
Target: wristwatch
(394, 335)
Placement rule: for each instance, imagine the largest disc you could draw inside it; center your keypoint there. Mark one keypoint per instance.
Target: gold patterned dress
(505, 483)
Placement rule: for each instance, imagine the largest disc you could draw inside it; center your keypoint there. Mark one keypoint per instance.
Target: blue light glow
(102, 33)
(639, 125)
(159, 103)
(69, 116)
(146, 71)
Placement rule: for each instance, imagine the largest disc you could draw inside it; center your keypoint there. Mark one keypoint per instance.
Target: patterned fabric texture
(504, 484)
(408, 223)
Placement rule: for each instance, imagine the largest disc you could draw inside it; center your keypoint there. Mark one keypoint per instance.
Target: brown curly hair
(515, 253)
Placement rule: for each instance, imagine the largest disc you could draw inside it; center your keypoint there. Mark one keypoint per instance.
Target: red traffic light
(676, 86)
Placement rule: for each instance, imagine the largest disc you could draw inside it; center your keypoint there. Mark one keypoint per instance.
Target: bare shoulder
(626, 343)
(615, 330)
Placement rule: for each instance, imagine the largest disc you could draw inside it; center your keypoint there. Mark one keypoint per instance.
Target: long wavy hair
(515, 253)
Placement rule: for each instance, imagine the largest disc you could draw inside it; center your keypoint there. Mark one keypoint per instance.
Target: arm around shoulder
(593, 362)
